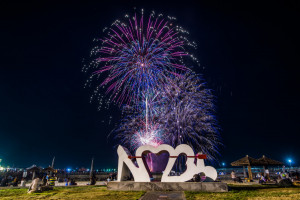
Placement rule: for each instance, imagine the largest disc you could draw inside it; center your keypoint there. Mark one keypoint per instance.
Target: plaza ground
(246, 192)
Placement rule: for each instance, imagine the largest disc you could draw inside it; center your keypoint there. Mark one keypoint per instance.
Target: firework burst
(188, 115)
(184, 114)
(139, 126)
(141, 65)
(138, 56)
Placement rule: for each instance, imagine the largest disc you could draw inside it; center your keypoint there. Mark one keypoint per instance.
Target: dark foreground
(100, 192)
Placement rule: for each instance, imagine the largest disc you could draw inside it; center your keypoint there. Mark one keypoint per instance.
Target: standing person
(44, 180)
(66, 181)
(267, 174)
(23, 182)
(233, 177)
(15, 182)
(283, 175)
(52, 181)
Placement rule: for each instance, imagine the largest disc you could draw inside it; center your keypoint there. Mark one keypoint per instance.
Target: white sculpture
(140, 173)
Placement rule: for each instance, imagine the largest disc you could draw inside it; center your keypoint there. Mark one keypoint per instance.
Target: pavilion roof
(245, 161)
(268, 161)
(33, 168)
(50, 169)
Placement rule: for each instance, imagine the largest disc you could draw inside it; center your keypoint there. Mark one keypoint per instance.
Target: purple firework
(139, 125)
(184, 114)
(140, 56)
(188, 115)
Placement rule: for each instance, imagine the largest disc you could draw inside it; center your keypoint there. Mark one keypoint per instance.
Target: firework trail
(141, 65)
(139, 126)
(139, 56)
(184, 114)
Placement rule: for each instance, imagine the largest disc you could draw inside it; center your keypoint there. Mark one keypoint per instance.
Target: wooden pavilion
(265, 161)
(48, 169)
(34, 169)
(246, 161)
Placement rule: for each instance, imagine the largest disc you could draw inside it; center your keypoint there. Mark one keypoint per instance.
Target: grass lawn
(83, 192)
(100, 192)
(257, 192)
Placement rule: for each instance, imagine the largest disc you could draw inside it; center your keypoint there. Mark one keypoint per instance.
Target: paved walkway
(158, 195)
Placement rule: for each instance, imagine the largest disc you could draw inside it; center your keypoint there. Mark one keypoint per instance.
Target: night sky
(249, 55)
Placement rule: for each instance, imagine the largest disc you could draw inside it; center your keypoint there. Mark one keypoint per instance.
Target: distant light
(69, 169)
(223, 164)
(289, 160)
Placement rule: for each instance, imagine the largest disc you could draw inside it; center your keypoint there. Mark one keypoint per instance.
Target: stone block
(168, 186)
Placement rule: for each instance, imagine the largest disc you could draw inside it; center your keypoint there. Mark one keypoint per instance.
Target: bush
(286, 183)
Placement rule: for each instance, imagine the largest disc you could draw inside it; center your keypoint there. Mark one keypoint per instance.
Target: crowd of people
(10, 178)
(45, 180)
(266, 177)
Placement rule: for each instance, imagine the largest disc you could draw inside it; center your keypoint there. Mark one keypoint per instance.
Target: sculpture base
(168, 186)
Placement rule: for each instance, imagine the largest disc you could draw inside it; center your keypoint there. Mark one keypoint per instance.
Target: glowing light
(187, 114)
(141, 66)
(139, 55)
(290, 161)
(182, 113)
(148, 138)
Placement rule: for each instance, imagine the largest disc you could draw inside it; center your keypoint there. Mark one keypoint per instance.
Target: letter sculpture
(140, 173)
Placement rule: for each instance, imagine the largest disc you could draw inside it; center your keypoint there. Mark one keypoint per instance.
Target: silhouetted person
(93, 179)
(297, 175)
(262, 179)
(72, 182)
(44, 180)
(196, 178)
(23, 182)
(267, 174)
(4, 182)
(15, 182)
(233, 177)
